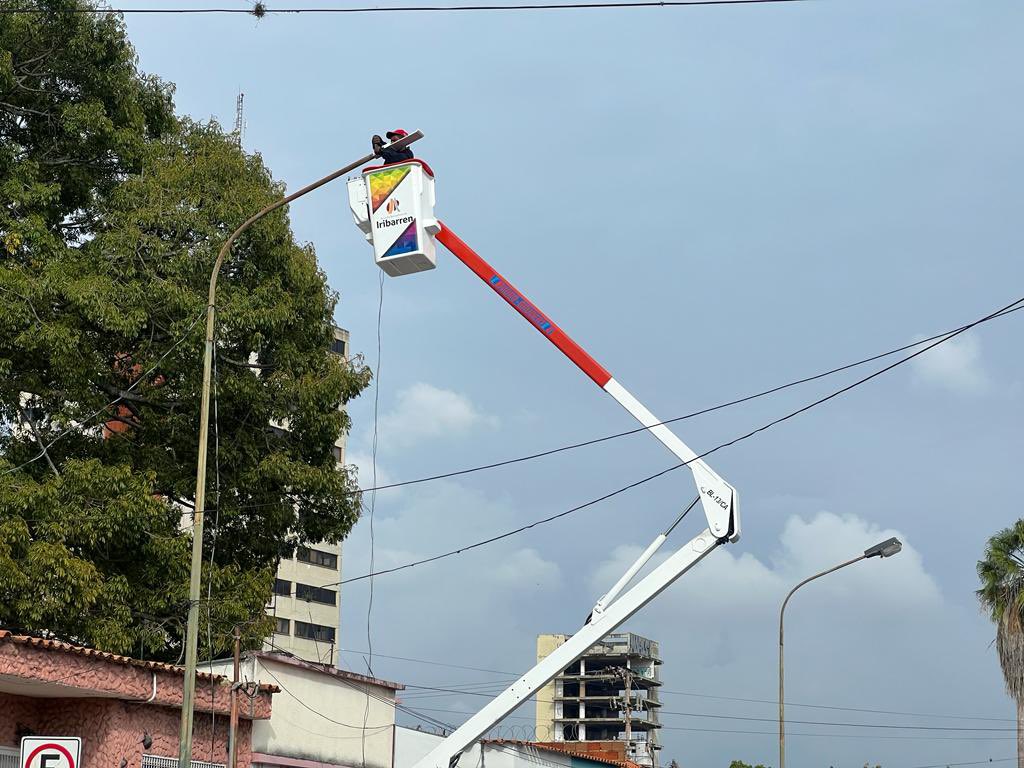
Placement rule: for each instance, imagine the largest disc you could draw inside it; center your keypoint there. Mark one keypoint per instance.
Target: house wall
(318, 718)
(112, 729)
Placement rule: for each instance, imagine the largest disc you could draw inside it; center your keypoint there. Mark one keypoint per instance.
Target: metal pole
(192, 630)
(628, 681)
(233, 732)
(782, 699)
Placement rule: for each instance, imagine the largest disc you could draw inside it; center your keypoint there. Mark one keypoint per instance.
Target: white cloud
(954, 365)
(425, 412)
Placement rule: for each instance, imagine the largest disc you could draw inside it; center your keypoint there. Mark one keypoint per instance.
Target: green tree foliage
(741, 764)
(1001, 572)
(111, 215)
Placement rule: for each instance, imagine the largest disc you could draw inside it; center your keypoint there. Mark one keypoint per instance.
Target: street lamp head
(887, 548)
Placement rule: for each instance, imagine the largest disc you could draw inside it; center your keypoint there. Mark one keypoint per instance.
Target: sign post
(51, 752)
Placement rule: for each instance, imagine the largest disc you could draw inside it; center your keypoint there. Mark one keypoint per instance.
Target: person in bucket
(390, 154)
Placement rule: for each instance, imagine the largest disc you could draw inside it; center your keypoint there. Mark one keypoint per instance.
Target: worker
(389, 154)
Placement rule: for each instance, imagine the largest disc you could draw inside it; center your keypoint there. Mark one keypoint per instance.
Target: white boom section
(446, 754)
(718, 498)
(627, 577)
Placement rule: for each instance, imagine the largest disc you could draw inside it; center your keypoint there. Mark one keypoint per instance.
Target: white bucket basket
(393, 205)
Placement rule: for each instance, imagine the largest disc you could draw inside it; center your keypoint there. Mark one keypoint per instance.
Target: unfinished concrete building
(610, 695)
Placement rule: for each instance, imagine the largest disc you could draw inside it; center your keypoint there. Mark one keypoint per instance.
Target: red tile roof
(564, 751)
(57, 645)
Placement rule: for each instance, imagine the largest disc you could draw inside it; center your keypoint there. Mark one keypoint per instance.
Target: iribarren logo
(384, 223)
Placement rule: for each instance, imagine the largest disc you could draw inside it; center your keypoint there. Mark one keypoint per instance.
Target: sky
(712, 201)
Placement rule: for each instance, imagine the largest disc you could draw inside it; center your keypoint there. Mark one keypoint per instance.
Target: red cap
(398, 132)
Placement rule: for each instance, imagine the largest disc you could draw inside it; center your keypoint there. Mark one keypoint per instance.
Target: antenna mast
(239, 122)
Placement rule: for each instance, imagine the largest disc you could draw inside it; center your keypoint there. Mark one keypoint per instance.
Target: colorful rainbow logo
(383, 183)
(405, 243)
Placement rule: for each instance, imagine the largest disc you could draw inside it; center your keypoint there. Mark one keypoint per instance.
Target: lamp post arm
(192, 629)
(782, 676)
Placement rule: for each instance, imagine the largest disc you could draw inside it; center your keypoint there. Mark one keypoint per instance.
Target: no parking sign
(50, 751)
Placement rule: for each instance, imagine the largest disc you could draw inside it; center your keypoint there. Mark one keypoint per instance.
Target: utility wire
(886, 726)
(260, 9)
(710, 409)
(496, 686)
(637, 430)
(792, 414)
(976, 762)
(373, 499)
(363, 688)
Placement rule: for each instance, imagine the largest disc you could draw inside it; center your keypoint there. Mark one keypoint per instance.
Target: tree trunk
(1020, 734)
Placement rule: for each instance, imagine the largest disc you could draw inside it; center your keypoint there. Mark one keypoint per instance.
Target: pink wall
(111, 729)
(113, 714)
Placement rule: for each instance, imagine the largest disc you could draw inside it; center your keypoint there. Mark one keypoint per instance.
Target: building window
(314, 632)
(283, 627)
(282, 587)
(316, 594)
(318, 557)
(338, 347)
(339, 453)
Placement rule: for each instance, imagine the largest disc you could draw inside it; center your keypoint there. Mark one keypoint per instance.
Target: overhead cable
(728, 443)
(261, 10)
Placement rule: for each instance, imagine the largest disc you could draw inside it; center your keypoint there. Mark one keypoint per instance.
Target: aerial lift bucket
(393, 205)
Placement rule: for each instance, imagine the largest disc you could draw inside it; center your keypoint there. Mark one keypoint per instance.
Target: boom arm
(718, 499)
(716, 495)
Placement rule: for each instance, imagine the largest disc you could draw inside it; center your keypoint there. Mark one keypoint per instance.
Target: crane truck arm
(393, 206)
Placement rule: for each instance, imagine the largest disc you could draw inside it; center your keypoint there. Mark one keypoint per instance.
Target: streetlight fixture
(192, 629)
(886, 548)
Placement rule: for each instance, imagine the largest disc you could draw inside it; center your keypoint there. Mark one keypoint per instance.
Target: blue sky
(711, 200)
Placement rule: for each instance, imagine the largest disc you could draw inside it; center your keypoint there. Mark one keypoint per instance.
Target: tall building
(306, 603)
(609, 695)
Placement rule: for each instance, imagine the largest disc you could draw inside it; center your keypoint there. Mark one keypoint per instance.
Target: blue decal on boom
(522, 305)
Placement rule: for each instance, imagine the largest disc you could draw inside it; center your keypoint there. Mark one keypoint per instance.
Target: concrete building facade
(306, 603)
(609, 695)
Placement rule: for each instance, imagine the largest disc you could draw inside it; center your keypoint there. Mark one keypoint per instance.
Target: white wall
(319, 716)
(412, 745)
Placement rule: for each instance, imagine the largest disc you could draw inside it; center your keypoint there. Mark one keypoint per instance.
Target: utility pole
(233, 732)
(625, 674)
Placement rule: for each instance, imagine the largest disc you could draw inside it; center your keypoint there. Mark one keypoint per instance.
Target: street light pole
(192, 630)
(887, 548)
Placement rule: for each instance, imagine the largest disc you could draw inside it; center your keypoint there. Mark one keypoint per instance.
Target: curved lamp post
(887, 548)
(192, 630)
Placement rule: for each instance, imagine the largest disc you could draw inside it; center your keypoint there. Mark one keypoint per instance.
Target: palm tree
(1002, 595)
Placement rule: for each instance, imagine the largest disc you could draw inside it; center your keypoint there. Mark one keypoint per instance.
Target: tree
(112, 214)
(741, 764)
(1001, 595)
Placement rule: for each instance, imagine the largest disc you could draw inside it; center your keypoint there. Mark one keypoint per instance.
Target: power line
(433, 663)
(976, 762)
(773, 702)
(886, 726)
(260, 10)
(363, 688)
(792, 414)
(703, 411)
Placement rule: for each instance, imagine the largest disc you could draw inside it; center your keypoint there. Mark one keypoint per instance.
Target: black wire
(373, 501)
(363, 688)
(761, 719)
(734, 441)
(420, 8)
(710, 409)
